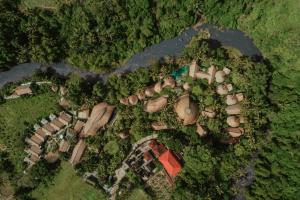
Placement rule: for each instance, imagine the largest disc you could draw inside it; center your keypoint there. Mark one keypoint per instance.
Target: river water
(172, 47)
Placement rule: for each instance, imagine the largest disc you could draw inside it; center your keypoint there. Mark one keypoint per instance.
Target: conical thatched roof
(133, 99)
(186, 86)
(224, 89)
(233, 121)
(231, 99)
(235, 132)
(124, 101)
(233, 109)
(141, 95)
(149, 92)
(186, 109)
(220, 76)
(159, 126)
(156, 104)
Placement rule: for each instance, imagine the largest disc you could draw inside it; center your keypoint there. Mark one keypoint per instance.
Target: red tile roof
(170, 163)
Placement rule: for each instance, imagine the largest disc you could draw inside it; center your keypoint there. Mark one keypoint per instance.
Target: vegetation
(67, 185)
(17, 118)
(274, 29)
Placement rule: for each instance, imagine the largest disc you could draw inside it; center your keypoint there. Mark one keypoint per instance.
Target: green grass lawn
(68, 186)
(138, 194)
(19, 114)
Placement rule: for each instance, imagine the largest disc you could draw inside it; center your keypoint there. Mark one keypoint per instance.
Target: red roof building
(170, 163)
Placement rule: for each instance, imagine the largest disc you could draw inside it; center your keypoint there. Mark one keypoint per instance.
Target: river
(171, 47)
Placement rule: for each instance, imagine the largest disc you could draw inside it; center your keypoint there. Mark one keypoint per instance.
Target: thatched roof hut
(193, 69)
(141, 95)
(186, 109)
(208, 112)
(156, 104)
(231, 99)
(133, 99)
(201, 131)
(149, 92)
(169, 82)
(23, 89)
(233, 121)
(235, 132)
(224, 89)
(124, 101)
(159, 126)
(100, 116)
(220, 76)
(77, 152)
(233, 109)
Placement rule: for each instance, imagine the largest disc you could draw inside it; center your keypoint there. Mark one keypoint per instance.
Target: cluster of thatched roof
(148, 92)
(41, 134)
(233, 108)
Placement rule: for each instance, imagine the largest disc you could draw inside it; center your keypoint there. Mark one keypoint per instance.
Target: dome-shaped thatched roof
(169, 81)
(233, 121)
(220, 76)
(186, 109)
(231, 99)
(141, 95)
(149, 92)
(124, 101)
(133, 99)
(186, 86)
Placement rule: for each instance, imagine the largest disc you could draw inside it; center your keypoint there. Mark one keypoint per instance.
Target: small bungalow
(124, 135)
(56, 124)
(32, 159)
(186, 86)
(233, 109)
(224, 89)
(220, 76)
(233, 121)
(64, 118)
(83, 114)
(209, 75)
(208, 112)
(78, 126)
(63, 90)
(156, 104)
(201, 131)
(158, 87)
(149, 92)
(22, 90)
(34, 150)
(48, 129)
(141, 95)
(77, 152)
(124, 101)
(41, 134)
(169, 82)
(64, 146)
(157, 126)
(133, 99)
(235, 132)
(34, 140)
(226, 70)
(194, 67)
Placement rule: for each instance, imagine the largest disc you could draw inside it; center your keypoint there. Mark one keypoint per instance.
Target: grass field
(138, 194)
(16, 115)
(68, 186)
(46, 4)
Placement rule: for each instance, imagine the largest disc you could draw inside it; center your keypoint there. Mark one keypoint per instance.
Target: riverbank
(173, 47)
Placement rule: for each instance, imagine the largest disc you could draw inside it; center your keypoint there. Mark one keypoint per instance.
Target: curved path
(171, 47)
